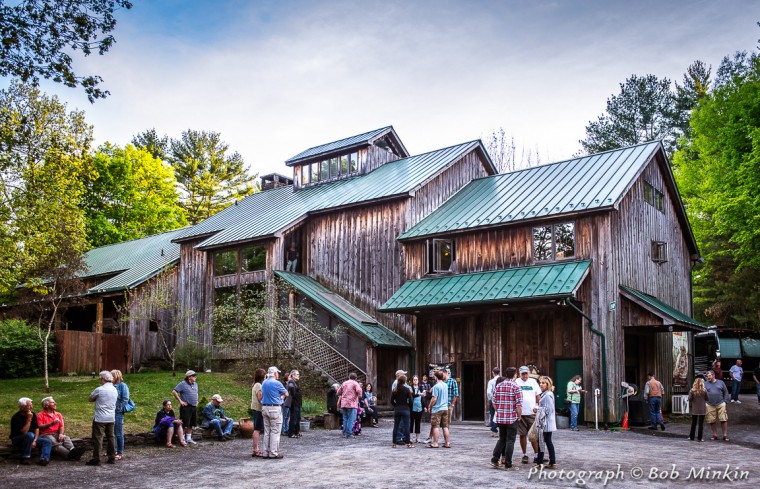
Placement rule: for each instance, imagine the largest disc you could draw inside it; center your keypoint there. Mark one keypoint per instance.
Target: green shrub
(21, 352)
(192, 356)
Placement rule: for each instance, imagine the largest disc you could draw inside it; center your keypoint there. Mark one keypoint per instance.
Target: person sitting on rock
(25, 433)
(166, 426)
(51, 425)
(215, 417)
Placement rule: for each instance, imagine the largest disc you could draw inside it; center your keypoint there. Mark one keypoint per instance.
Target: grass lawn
(148, 390)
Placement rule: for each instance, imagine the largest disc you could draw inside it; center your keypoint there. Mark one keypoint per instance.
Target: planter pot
(563, 422)
(246, 427)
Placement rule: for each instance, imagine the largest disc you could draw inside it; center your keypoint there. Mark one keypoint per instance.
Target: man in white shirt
(496, 371)
(531, 393)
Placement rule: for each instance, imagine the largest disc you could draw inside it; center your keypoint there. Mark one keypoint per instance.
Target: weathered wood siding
(517, 336)
(146, 344)
(195, 293)
(634, 227)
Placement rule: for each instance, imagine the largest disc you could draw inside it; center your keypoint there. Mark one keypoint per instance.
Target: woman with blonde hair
(118, 428)
(546, 423)
(698, 407)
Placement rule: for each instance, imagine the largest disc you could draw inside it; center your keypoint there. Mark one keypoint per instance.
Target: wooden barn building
(577, 267)
(94, 332)
(339, 223)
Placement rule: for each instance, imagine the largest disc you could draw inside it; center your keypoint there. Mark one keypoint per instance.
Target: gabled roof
(132, 262)
(266, 213)
(511, 285)
(670, 315)
(356, 319)
(583, 184)
(353, 142)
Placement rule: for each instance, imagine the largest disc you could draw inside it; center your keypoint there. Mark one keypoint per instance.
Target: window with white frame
(441, 255)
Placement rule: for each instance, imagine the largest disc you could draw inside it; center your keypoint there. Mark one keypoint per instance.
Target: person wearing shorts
(531, 393)
(717, 397)
(186, 392)
(439, 411)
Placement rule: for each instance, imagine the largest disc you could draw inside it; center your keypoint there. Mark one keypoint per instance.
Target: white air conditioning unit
(680, 405)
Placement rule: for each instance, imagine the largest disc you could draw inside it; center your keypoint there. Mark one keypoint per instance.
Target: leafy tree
(21, 353)
(35, 35)
(644, 110)
(131, 195)
(717, 172)
(208, 177)
(44, 157)
(150, 141)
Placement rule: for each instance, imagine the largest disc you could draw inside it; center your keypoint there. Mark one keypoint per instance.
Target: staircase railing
(318, 352)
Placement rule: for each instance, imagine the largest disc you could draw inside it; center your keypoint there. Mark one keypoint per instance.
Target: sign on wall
(680, 359)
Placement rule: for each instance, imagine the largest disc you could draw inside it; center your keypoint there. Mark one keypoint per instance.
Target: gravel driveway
(323, 459)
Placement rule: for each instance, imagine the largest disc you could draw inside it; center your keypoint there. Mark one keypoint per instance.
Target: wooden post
(99, 316)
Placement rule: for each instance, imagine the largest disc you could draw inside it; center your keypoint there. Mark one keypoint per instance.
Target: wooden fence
(84, 352)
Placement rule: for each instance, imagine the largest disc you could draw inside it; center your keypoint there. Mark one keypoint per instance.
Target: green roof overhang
(496, 287)
(353, 317)
(672, 319)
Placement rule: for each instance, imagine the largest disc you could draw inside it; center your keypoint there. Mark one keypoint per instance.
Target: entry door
(473, 397)
(565, 370)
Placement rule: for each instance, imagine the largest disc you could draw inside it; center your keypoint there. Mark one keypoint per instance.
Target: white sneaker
(738, 402)
(192, 442)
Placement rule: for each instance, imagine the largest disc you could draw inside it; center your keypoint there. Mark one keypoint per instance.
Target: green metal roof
(552, 280)
(265, 213)
(581, 184)
(133, 262)
(348, 143)
(658, 307)
(352, 316)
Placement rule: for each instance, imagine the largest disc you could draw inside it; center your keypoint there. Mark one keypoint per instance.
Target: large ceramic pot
(246, 427)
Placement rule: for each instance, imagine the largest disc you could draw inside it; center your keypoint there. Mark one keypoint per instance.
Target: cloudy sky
(277, 77)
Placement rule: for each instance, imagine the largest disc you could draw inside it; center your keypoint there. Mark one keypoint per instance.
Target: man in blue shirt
(215, 417)
(737, 372)
(272, 393)
(439, 409)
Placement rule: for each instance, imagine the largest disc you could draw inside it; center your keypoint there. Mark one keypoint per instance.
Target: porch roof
(356, 319)
(672, 318)
(549, 281)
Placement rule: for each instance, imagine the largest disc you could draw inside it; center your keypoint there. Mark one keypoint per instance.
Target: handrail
(329, 366)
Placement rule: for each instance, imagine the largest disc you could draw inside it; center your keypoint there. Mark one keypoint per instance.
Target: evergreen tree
(209, 179)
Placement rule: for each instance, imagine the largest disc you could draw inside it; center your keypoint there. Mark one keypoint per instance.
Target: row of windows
(654, 197)
(330, 169)
(246, 259)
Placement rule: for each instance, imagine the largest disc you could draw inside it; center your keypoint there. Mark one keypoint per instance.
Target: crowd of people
(519, 406)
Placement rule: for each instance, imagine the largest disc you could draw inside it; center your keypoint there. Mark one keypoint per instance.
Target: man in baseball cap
(215, 418)
(186, 392)
(531, 393)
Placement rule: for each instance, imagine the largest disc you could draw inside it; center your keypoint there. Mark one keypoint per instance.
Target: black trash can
(638, 410)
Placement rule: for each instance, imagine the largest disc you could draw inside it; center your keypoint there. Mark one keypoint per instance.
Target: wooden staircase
(317, 354)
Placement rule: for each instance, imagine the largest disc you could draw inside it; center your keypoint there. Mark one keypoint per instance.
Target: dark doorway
(473, 395)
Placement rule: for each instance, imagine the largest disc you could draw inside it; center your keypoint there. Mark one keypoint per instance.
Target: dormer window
(329, 169)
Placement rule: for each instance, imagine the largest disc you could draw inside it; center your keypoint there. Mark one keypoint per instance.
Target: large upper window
(251, 258)
(225, 262)
(654, 197)
(330, 169)
(554, 242)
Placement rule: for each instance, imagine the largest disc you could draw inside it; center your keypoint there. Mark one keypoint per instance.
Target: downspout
(604, 358)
